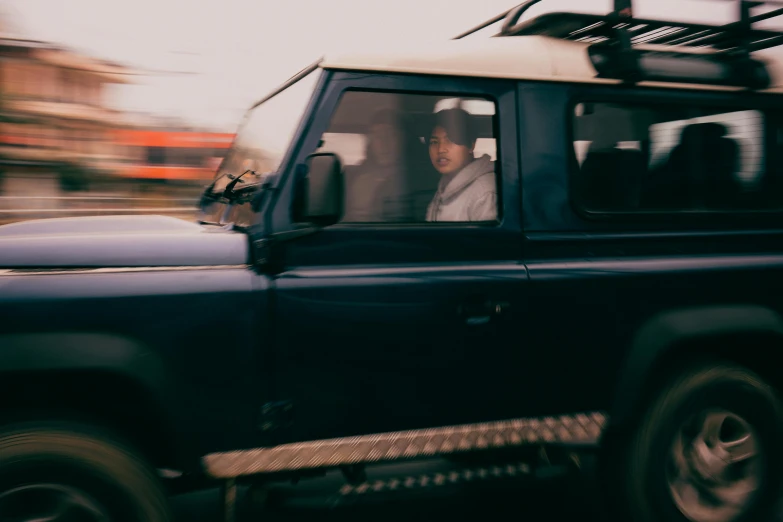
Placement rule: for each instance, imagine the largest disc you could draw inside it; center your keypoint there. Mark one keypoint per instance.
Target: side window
(414, 158)
(670, 158)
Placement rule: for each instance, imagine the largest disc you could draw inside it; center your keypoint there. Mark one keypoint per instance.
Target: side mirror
(320, 191)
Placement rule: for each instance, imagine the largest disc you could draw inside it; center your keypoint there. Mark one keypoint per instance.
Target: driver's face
(448, 157)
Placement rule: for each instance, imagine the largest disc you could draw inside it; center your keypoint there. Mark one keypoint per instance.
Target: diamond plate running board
(385, 447)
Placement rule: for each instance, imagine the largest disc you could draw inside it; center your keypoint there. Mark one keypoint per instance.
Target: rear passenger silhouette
(699, 173)
(611, 178)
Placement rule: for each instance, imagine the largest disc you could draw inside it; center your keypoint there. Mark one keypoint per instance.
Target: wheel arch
(748, 335)
(95, 377)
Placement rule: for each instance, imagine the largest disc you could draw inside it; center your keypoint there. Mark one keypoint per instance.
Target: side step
(578, 429)
(456, 476)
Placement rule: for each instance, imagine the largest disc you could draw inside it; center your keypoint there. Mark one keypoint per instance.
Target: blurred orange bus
(158, 154)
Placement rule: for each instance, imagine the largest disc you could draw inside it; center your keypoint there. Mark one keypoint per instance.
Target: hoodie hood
(452, 187)
(469, 195)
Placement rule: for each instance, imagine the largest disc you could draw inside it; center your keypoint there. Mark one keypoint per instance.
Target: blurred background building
(55, 125)
(65, 151)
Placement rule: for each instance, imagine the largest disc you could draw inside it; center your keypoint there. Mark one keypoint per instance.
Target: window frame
(769, 105)
(498, 168)
(403, 242)
(475, 93)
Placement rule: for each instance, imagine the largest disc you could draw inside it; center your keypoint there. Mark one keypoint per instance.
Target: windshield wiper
(232, 195)
(229, 190)
(209, 193)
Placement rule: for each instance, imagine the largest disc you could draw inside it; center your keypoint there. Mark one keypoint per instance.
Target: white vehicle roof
(527, 57)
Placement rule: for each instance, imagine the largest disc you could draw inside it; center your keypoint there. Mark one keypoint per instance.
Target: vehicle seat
(700, 171)
(611, 179)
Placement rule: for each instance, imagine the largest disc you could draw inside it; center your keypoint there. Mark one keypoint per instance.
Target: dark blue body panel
(596, 280)
(588, 311)
(180, 294)
(205, 326)
(371, 350)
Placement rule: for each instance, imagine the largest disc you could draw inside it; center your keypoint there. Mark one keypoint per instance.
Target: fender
(82, 351)
(668, 332)
(95, 352)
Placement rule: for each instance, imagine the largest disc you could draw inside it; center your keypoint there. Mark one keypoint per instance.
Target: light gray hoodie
(469, 195)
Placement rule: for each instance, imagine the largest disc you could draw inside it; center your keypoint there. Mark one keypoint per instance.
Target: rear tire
(47, 468)
(709, 449)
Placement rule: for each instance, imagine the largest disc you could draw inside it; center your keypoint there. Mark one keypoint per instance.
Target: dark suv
(564, 238)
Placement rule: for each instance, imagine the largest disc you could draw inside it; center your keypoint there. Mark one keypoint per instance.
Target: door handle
(482, 313)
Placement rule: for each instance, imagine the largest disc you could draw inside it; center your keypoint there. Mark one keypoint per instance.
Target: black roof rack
(616, 37)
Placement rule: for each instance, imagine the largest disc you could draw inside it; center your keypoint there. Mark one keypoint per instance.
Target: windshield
(268, 128)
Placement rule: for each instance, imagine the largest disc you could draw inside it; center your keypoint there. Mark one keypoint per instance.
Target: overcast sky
(236, 50)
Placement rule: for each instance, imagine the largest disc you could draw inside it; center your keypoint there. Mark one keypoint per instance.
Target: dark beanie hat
(458, 124)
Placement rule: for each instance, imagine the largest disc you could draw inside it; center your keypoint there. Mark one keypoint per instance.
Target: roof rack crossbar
(766, 44)
(656, 35)
(732, 39)
(719, 31)
(715, 39)
(677, 39)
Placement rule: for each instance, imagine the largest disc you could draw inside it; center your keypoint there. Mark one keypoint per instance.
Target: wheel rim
(714, 467)
(49, 503)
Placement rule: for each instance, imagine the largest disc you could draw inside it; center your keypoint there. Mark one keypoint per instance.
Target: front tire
(709, 449)
(52, 471)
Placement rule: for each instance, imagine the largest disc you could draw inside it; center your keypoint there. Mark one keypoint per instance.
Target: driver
(467, 190)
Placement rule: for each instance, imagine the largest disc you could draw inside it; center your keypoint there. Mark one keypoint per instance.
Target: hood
(470, 173)
(118, 241)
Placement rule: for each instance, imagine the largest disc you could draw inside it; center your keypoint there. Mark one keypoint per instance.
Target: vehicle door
(386, 321)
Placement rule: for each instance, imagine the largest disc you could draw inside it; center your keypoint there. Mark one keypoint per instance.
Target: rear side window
(671, 158)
